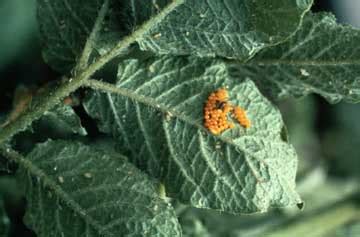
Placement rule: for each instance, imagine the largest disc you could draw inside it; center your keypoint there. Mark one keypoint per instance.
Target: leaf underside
(77, 190)
(155, 113)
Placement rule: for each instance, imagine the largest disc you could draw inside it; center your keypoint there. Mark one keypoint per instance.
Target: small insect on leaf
(240, 116)
(216, 112)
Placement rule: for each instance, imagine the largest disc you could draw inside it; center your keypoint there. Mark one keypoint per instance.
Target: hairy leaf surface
(230, 28)
(155, 111)
(77, 190)
(65, 26)
(62, 121)
(323, 57)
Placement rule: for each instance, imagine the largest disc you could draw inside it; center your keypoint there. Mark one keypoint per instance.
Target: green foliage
(170, 56)
(230, 29)
(73, 189)
(156, 113)
(322, 57)
(65, 26)
(61, 121)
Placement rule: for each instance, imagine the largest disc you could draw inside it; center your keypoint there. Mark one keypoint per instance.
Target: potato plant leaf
(230, 28)
(155, 111)
(77, 190)
(66, 25)
(62, 121)
(323, 57)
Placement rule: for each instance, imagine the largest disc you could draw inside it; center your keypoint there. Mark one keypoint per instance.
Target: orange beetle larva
(240, 115)
(216, 112)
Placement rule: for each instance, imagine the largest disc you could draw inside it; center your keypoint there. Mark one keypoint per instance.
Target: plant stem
(53, 98)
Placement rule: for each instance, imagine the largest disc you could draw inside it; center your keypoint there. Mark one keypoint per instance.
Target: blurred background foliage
(326, 137)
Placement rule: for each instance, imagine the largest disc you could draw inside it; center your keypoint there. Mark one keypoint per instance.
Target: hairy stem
(54, 97)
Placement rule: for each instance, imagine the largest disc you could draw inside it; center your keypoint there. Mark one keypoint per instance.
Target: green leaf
(64, 30)
(231, 28)
(77, 190)
(66, 25)
(61, 121)
(155, 111)
(73, 29)
(323, 57)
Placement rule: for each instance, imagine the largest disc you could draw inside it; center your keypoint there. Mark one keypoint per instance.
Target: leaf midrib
(48, 182)
(148, 101)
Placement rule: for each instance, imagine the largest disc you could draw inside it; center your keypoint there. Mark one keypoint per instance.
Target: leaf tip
(301, 205)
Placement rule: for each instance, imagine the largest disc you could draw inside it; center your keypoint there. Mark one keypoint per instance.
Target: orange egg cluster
(240, 115)
(216, 112)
